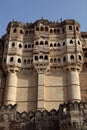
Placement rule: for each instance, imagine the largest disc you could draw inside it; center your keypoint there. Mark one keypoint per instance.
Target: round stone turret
(73, 58)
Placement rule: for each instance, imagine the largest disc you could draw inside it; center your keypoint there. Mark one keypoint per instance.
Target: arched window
(13, 44)
(20, 46)
(36, 57)
(19, 60)
(51, 60)
(46, 57)
(51, 31)
(80, 58)
(11, 59)
(51, 45)
(55, 60)
(30, 31)
(21, 32)
(25, 46)
(14, 30)
(46, 29)
(37, 28)
(25, 61)
(63, 43)
(42, 29)
(41, 57)
(28, 61)
(58, 30)
(64, 58)
(26, 32)
(70, 27)
(59, 60)
(29, 46)
(31, 60)
(46, 42)
(41, 42)
(72, 57)
(78, 42)
(54, 44)
(71, 41)
(58, 44)
(77, 28)
(54, 30)
(36, 42)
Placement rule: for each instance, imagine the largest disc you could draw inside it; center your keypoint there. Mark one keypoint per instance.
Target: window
(58, 44)
(29, 46)
(32, 45)
(25, 61)
(78, 42)
(42, 29)
(30, 32)
(77, 28)
(64, 58)
(63, 43)
(26, 32)
(41, 57)
(13, 44)
(20, 46)
(70, 27)
(46, 29)
(31, 60)
(46, 42)
(46, 57)
(36, 58)
(36, 42)
(80, 57)
(55, 60)
(71, 42)
(54, 44)
(51, 31)
(14, 30)
(19, 60)
(28, 61)
(41, 42)
(51, 60)
(37, 28)
(11, 59)
(58, 30)
(25, 46)
(72, 57)
(21, 32)
(54, 30)
(51, 45)
(59, 60)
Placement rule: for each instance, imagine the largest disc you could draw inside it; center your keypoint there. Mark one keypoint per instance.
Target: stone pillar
(40, 95)
(10, 88)
(73, 85)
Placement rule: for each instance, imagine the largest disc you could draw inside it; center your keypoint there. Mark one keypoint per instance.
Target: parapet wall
(70, 115)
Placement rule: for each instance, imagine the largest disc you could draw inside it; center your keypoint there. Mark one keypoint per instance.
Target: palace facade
(43, 64)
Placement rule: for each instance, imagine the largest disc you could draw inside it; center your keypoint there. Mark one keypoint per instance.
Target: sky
(32, 10)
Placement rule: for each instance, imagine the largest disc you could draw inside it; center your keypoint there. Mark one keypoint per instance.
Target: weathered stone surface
(70, 115)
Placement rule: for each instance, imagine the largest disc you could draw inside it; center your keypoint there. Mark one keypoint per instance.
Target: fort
(42, 65)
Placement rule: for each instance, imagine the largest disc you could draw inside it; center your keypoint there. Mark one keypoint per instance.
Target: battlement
(70, 115)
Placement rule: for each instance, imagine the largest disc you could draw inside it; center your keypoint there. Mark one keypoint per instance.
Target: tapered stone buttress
(40, 95)
(10, 89)
(73, 85)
